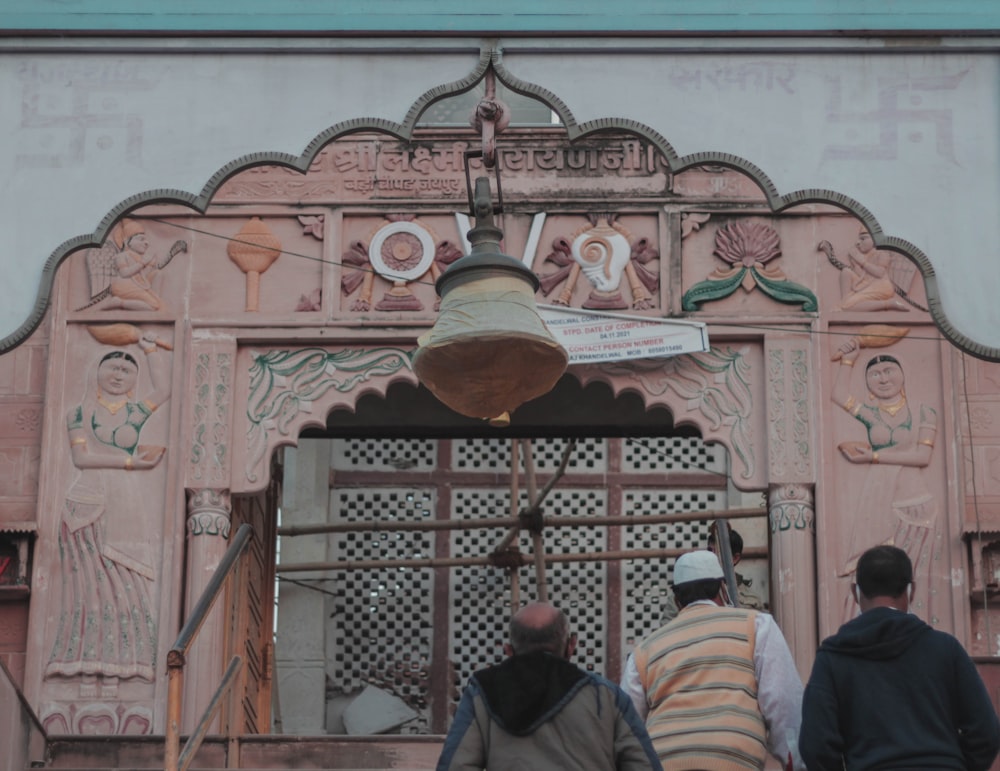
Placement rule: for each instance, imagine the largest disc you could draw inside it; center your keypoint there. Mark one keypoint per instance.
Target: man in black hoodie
(538, 711)
(889, 692)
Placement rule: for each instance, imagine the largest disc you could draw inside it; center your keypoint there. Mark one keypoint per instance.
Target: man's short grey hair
(551, 638)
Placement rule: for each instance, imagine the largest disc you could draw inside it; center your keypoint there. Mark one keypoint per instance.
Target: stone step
(257, 753)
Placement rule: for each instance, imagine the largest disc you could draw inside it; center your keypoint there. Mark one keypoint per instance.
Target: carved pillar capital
(790, 507)
(209, 511)
(791, 511)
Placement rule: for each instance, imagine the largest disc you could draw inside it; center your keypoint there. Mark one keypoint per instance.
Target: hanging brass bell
(489, 350)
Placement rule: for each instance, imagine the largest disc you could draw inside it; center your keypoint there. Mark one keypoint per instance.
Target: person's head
(884, 577)
(130, 234)
(117, 373)
(864, 243)
(697, 576)
(884, 377)
(539, 626)
(735, 544)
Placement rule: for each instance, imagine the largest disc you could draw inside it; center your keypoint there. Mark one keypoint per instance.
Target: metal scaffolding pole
(516, 557)
(515, 522)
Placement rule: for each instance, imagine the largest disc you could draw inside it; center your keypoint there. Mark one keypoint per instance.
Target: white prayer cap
(696, 566)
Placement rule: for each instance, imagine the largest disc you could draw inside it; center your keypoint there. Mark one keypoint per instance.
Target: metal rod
(25, 704)
(538, 550)
(724, 549)
(175, 690)
(195, 739)
(515, 496)
(375, 526)
(176, 656)
(563, 463)
(457, 562)
(201, 609)
(537, 541)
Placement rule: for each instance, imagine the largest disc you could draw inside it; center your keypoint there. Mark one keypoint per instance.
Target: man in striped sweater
(717, 686)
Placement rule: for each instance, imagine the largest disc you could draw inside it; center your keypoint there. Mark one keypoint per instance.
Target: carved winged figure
(123, 272)
(873, 279)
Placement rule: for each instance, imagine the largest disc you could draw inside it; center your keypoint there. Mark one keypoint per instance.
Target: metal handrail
(176, 656)
(194, 740)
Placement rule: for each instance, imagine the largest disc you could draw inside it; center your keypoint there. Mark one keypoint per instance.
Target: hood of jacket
(525, 691)
(877, 634)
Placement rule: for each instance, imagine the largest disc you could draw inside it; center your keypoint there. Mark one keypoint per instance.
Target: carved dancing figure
(107, 623)
(894, 506)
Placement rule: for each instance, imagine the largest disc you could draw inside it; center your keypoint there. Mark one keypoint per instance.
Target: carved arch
(292, 389)
(718, 392)
(490, 58)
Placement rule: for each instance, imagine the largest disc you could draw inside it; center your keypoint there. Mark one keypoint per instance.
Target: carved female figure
(895, 507)
(107, 623)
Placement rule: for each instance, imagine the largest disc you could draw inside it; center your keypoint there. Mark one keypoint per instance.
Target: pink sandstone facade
(139, 423)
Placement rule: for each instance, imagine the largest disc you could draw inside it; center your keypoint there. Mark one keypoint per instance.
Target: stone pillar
(793, 568)
(209, 416)
(300, 650)
(790, 397)
(208, 526)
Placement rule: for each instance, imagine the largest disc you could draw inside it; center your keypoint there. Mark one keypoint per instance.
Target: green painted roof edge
(428, 17)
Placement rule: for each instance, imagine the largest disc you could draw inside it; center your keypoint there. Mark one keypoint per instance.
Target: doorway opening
(390, 593)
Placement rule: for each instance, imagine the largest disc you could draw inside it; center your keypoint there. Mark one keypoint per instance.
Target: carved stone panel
(287, 389)
(790, 410)
(600, 261)
(748, 264)
(103, 584)
(140, 268)
(887, 465)
(254, 266)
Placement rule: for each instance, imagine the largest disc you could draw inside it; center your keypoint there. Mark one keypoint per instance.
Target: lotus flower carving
(747, 244)
(748, 247)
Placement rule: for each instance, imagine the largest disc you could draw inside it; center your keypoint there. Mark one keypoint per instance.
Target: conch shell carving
(602, 253)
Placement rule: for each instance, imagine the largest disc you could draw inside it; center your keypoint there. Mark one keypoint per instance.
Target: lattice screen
(494, 455)
(645, 583)
(381, 630)
(380, 627)
(384, 454)
(481, 595)
(657, 455)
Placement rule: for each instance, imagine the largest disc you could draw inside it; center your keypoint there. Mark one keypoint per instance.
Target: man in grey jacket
(537, 710)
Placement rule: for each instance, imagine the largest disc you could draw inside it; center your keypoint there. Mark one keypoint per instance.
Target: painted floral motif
(284, 383)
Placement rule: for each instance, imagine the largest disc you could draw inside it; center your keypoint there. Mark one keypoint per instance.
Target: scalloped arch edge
(490, 57)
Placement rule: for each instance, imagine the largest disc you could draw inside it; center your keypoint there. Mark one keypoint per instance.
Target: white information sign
(596, 336)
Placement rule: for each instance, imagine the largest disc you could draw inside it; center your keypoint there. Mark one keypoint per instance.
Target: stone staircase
(255, 753)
